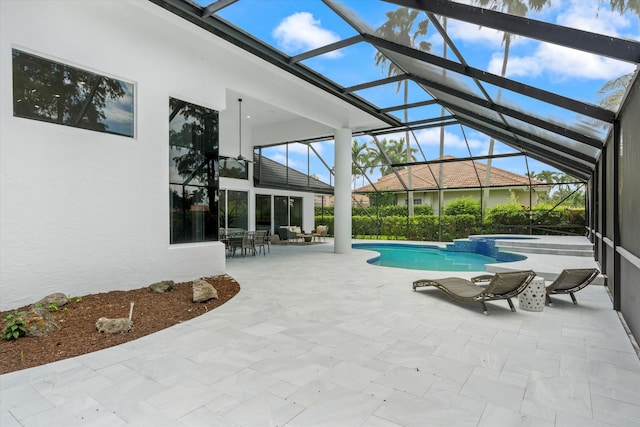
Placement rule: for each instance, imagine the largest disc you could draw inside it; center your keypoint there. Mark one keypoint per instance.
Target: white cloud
(592, 17)
(301, 32)
(472, 33)
(559, 63)
(454, 144)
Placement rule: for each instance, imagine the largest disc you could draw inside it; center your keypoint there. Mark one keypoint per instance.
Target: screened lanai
(410, 65)
(430, 82)
(440, 86)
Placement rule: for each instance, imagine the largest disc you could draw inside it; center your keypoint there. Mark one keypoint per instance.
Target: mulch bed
(77, 321)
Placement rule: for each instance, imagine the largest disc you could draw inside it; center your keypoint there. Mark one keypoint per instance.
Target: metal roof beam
(411, 105)
(599, 44)
(374, 83)
(568, 133)
(459, 159)
(523, 134)
(216, 6)
(545, 156)
(326, 49)
(192, 12)
(584, 108)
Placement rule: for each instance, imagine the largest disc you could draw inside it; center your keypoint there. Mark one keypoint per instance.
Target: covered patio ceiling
(559, 130)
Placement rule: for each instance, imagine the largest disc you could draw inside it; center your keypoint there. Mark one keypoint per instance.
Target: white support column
(342, 192)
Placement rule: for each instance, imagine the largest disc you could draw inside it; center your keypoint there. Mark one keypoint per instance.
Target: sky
(296, 26)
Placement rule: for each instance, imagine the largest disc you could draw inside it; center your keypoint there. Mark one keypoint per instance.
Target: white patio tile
(500, 394)
(352, 346)
(410, 410)
(264, 410)
(499, 416)
(614, 382)
(352, 376)
(410, 380)
(616, 412)
(337, 407)
(560, 393)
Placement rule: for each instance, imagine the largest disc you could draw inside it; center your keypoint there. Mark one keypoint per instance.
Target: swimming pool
(428, 257)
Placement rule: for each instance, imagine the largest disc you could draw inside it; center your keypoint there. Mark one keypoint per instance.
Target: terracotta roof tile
(460, 174)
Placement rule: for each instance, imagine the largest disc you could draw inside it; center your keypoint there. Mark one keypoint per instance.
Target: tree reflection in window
(232, 168)
(53, 92)
(193, 172)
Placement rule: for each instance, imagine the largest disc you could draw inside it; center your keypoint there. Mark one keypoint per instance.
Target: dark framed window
(263, 212)
(287, 211)
(193, 172)
(295, 211)
(280, 211)
(54, 92)
(232, 168)
(234, 210)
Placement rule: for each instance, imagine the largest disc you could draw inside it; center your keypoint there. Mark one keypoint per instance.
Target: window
(417, 201)
(234, 209)
(58, 93)
(280, 211)
(193, 177)
(263, 212)
(231, 168)
(287, 211)
(295, 211)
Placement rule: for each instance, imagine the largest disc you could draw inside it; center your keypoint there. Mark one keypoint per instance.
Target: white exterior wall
(83, 211)
(497, 196)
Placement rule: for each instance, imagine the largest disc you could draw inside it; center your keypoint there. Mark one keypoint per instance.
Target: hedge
(509, 219)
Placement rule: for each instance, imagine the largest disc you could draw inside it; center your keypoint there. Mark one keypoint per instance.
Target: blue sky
(296, 26)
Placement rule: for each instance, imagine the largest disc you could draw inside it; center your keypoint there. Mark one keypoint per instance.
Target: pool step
(533, 247)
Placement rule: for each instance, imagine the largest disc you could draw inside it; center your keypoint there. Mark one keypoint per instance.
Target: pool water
(425, 257)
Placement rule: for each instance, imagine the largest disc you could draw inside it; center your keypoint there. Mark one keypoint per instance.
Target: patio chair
(571, 280)
(320, 232)
(245, 244)
(497, 286)
(260, 241)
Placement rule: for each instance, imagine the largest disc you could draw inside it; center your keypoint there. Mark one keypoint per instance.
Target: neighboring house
(460, 179)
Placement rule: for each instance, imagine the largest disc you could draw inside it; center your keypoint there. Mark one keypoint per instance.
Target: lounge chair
(571, 280)
(498, 286)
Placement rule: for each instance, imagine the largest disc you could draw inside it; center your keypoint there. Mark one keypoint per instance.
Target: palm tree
(399, 28)
(623, 5)
(395, 150)
(512, 7)
(613, 91)
(359, 156)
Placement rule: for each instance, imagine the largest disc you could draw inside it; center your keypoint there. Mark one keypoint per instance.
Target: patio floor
(320, 339)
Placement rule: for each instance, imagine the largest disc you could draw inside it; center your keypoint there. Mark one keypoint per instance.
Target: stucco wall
(496, 197)
(83, 211)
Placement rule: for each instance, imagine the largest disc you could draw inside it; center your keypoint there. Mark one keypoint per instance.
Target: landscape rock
(203, 291)
(39, 322)
(162, 287)
(59, 299)
(113, 326)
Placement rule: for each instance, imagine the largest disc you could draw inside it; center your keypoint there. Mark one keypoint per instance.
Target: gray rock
(113, 326)
(162, 287)
(59, 299)
(203, 291)
(39, 322)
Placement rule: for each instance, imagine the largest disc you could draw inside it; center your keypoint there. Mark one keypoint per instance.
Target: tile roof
(461, 174)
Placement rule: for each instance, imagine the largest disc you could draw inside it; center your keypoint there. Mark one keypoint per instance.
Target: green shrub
(16, 326)
(464, 206)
